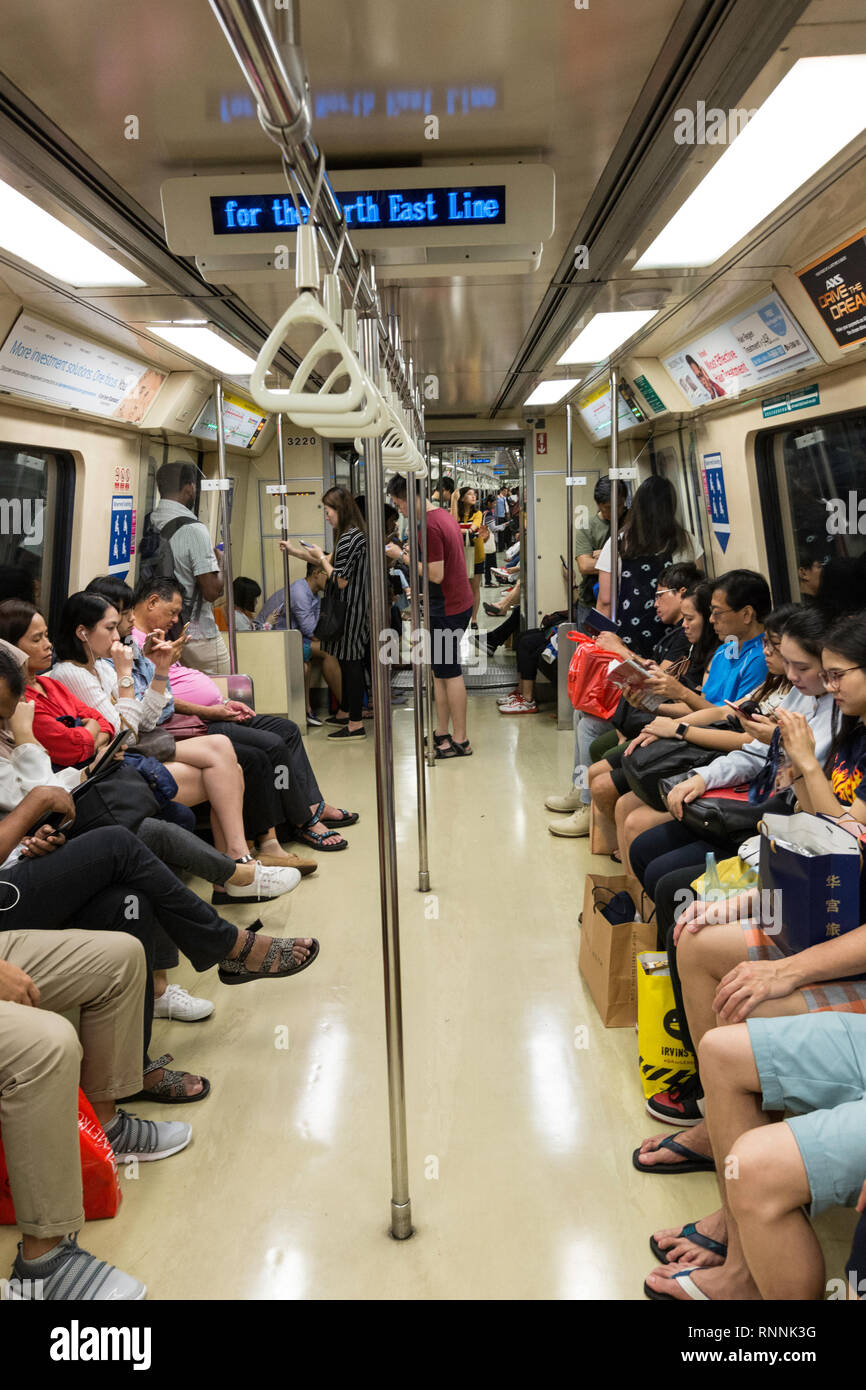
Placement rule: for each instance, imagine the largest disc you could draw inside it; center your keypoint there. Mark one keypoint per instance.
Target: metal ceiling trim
(715, 49)
(41, 150)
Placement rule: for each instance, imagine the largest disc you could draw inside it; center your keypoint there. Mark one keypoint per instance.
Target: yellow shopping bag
(664, 1060)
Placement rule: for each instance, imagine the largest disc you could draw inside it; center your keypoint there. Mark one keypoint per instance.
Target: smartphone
(562, 561)
(747, 708)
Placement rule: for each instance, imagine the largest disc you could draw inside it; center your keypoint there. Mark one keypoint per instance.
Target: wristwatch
(125, 680)
(682, 730)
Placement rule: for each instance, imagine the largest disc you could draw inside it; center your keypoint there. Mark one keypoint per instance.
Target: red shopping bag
(98, 1170)
(589, 689)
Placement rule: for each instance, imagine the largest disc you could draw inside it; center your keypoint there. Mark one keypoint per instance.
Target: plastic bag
(589, 689)
(725, 879)
(663, 1058)
(99, 1178)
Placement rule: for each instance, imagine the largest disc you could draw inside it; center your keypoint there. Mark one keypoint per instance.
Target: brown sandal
(232, 970)
(170, 1089)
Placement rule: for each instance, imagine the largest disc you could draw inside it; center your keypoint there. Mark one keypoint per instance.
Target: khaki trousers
(42, 1062)
(208, 654)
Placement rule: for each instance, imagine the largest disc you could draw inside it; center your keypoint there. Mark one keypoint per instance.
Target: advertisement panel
(45, 362)
(763, 341)
(835, 286)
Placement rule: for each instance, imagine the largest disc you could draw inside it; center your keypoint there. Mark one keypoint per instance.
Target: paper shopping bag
(607, 953)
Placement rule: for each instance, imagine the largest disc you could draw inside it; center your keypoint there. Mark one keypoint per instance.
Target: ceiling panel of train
(509, 81)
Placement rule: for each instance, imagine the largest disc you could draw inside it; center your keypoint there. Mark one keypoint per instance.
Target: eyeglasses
(831, 678)
(717, 612)
(769, 645)
(664, 591)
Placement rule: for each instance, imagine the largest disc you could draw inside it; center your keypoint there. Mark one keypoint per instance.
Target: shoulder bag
(727, 815)
(332, 613)
(651, 762)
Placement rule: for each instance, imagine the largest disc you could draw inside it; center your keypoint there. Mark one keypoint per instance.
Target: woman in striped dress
(348, 563)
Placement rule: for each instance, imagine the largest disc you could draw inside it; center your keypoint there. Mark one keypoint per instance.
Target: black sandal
(310, 837)
(454, 749)
(232, 970)
(170, 1089)
(346, 818)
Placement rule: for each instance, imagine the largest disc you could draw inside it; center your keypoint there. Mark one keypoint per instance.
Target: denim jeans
(587, 728)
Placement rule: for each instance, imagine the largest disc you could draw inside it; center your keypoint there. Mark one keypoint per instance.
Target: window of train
(810, 477)
(37, 487)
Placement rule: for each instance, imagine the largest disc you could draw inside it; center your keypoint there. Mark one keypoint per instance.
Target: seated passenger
(43, 974)
(303, 810)
(709, 729)
(306, 602)
(762, 1244)
(246, 594)
(817, 790)
(671, 649)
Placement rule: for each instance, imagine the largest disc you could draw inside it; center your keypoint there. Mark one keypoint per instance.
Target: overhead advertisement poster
(595, 412)
(762, 342)
(45, 362)
(835, 284)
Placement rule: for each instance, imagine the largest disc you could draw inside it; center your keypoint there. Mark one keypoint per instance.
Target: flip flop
(695, 1162)
(685, 1280)
(690, 1233)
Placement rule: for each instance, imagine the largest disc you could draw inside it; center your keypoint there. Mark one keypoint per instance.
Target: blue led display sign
(417, 207)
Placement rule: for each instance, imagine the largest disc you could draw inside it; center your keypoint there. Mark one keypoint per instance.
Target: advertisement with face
(759, 344)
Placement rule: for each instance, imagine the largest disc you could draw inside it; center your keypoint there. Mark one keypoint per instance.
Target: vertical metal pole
(425, 592)
(401, 1207)
(614, 489)
(284, 524)
(569, 502)
(417, 683)
(228, 580)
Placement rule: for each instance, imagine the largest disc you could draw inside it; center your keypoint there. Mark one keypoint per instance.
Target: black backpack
(157, 561)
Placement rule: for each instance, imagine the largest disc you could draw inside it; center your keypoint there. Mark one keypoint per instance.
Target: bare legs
(450, 698)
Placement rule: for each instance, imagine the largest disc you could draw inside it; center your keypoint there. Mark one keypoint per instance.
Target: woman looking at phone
(348, 565)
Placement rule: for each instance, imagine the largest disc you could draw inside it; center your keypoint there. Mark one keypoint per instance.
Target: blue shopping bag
(814, 865)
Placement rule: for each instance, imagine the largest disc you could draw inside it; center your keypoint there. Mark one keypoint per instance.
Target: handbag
(489, 543)
(647, 765)
(121, 793)
(182, 726)
(332, 612)
(589, 689)
(727, 814)
(157, 743)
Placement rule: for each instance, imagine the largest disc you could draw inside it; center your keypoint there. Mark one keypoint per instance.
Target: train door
(808, 477)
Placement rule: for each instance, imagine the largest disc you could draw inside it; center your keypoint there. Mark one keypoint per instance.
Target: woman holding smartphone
(348, 565)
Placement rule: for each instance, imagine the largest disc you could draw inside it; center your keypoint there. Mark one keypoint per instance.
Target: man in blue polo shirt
(740, 603)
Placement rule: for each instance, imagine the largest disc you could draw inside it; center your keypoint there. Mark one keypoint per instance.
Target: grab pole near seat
(614, 486)
(228, 576)
(401, 1207)
(425, 593)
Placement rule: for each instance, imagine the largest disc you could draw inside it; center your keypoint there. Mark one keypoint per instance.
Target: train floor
(520, 1144)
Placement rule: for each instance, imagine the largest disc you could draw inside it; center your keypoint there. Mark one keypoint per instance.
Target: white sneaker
(267, 883)
(506, 699)
(517, 705)
(576, 825)
(570, 802)
(177, 1003)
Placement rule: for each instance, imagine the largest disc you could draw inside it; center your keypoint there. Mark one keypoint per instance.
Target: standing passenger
(450, 611)
(349, 567)
(196, 567)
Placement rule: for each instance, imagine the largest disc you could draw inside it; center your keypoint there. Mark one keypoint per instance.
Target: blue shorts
(815, 1066)
(445, 636)
(308, 648)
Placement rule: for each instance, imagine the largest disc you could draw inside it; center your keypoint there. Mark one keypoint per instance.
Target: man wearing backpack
(184, 552)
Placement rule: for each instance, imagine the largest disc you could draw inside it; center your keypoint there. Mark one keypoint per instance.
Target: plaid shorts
(842, 996)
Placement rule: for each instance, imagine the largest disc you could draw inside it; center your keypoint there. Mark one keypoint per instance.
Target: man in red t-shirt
(450, 612)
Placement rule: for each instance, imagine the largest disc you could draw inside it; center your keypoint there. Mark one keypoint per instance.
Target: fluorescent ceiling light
(604, 333)
(549, 392)
(206, 346)
(42, 241)
(816, 110)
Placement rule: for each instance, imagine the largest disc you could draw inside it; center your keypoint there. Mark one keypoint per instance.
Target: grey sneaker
(145, 1140)
(67, 1274)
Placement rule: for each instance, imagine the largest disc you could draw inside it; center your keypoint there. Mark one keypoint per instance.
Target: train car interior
(497, 373)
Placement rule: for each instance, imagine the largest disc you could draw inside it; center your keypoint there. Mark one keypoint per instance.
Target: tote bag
(332, 612)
